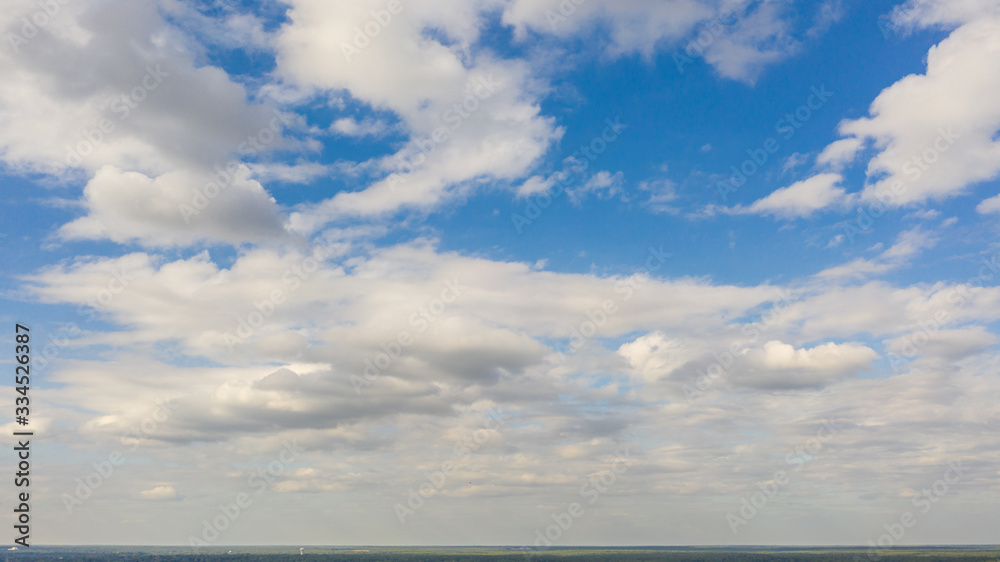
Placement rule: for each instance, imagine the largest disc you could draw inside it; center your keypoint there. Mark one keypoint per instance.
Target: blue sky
(366, 228)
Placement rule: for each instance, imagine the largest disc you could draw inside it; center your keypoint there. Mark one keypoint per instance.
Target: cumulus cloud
(779, 365)
(840, 152)
(109, 92)
(802, 198)
(654, 355)
(466, 116)
(935, 133)
(159, 493)
(495, 348)
(988, 206)
(175, 208)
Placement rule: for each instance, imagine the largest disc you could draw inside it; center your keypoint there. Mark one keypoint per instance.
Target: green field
(484, 554)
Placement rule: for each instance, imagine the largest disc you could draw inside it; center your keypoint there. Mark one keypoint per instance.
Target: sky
(504, 272)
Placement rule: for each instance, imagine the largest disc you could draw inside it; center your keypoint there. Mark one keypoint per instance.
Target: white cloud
(935, 132)
(925, 214)
(654, 355)
(159, 493)
(379, 297)
(467, 116)
(840, 152)
(802, 198)
(161, 211)
(635, 25)
(951, 13)
(603, 184)
(156, 326)
(908, 244)
(302, 172)
(351, 127)
(111, 93)
(932, 341)
(662, 193)
(780, 365)
(120, 62)
(737, 38)
(493, 347)
(987, 206)
(535, 185)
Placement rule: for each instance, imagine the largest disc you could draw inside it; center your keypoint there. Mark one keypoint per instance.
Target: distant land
(989, 553)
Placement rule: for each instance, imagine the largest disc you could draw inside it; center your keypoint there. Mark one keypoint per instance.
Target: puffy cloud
(493, 348)
(176, 208)
(159, 493)
(779, 365)
(120, 62)
(802, 198)
(535, 185)
(991, 205)
(467, 116)
(840, 152)
(935, 133)
(351, 127)
(654, 355)
(110, 90)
